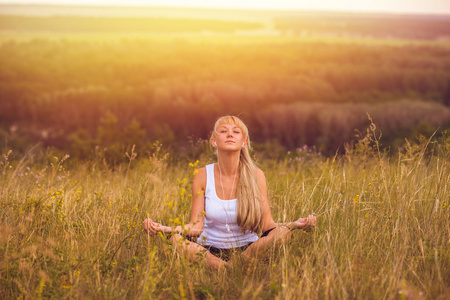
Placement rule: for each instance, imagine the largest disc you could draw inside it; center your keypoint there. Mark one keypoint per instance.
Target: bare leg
(276, 237)
(193, 250)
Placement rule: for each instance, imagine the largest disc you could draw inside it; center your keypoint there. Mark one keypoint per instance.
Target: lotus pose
(230, 211)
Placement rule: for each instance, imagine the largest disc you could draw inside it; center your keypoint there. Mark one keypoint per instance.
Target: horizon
(407, 7)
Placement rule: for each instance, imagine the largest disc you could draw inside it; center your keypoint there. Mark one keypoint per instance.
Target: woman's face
(228, 137)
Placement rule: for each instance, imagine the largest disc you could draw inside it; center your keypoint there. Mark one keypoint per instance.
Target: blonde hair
(248, 193)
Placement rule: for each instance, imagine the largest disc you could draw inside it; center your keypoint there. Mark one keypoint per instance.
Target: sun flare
(399, 6)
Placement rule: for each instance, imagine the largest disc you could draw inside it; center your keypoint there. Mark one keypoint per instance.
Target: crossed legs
(277, 236)
(195, 252)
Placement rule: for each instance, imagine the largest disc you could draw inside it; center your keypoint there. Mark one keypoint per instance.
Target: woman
(230, 211)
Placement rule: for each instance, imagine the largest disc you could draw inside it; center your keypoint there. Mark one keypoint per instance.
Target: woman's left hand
(306, 223)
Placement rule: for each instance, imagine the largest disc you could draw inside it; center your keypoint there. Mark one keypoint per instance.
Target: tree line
(80, 24)
(65, 92)
(415, 27)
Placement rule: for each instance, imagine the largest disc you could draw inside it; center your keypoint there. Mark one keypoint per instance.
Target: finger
(149, 228)
(148, 222)
(154, 228)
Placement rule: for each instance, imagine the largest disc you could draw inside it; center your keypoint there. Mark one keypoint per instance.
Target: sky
(389, 6)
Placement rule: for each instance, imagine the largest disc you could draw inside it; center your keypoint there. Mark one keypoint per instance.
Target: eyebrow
(223, 126)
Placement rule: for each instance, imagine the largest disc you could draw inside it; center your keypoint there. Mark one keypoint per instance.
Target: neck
(228, 162)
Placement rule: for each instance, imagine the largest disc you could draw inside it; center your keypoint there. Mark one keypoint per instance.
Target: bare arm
(195, 226)
(267, 220)
(266, 215)
(198, 203)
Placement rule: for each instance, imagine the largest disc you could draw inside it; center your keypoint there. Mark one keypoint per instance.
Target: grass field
(74, 230)
(71, 226)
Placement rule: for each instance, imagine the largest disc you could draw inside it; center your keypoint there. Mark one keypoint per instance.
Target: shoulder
(201, 173)
(261, 178)
(260, 174)
(200, 178)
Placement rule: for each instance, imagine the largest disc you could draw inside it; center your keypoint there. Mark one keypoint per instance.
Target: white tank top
(219, 213)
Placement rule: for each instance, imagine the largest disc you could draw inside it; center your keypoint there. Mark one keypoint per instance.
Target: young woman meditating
(230, 211)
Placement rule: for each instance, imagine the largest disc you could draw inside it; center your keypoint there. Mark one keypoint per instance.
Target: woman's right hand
(151, 227)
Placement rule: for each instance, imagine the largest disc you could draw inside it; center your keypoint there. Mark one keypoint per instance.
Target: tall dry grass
(383, 227)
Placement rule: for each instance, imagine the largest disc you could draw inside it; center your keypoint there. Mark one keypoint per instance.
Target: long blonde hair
(248, 193)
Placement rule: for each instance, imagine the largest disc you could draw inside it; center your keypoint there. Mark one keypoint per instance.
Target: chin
(230, 148)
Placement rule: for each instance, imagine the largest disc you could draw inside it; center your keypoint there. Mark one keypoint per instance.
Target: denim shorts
(225, 254)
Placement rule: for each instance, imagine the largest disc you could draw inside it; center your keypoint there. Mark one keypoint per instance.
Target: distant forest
(79, 24)
(78, 93)
(368, 26)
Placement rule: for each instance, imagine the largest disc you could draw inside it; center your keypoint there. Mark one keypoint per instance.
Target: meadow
(105, 115)
(75, 230)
